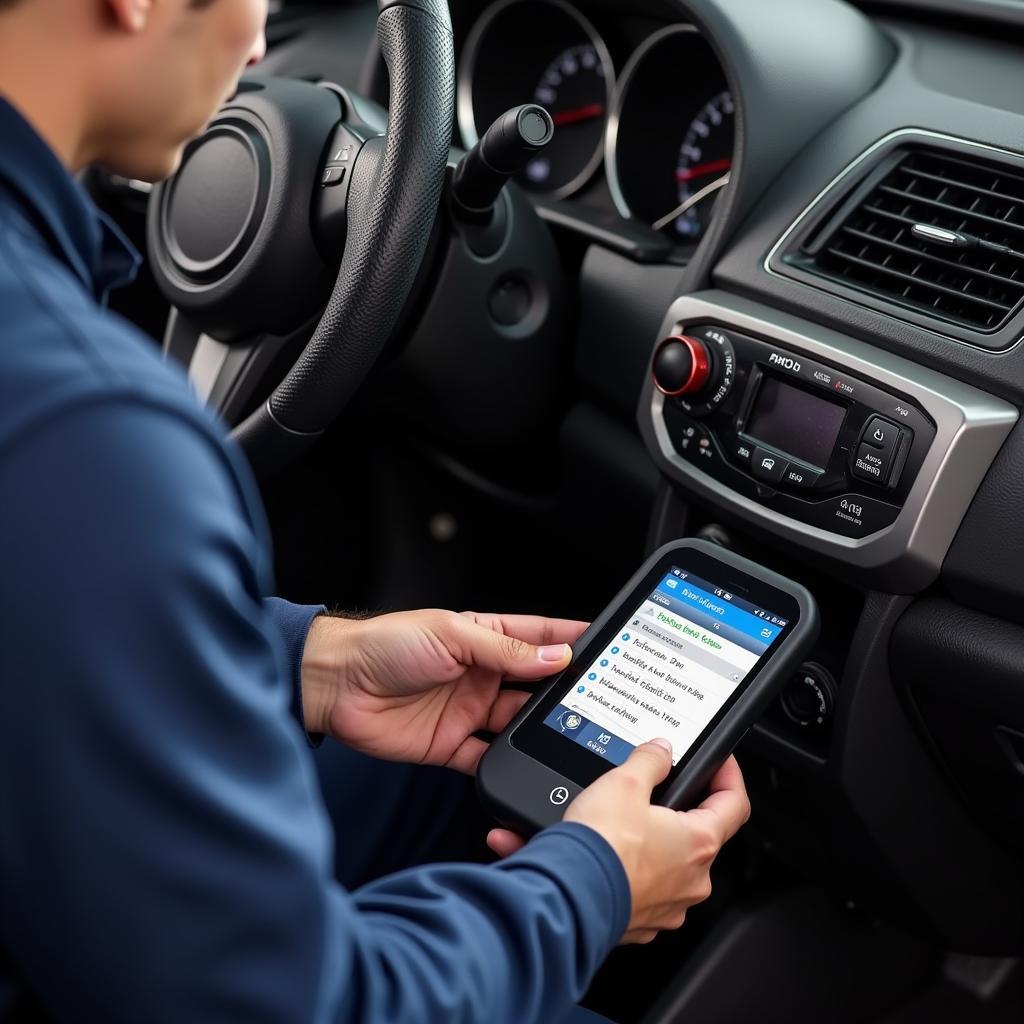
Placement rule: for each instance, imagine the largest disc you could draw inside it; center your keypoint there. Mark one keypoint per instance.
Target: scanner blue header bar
(686, 594)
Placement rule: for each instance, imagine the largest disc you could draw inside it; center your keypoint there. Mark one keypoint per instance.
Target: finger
(505, 707)
(510, 655)
(727, 803)
(639, 936)
(534, 629)
(467, 755)
(650, 763)
(503, 842)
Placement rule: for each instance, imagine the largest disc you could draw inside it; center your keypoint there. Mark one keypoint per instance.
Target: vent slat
(910, 279)
(978, 189)
(977, 284)
(922, 253)
(947, 208)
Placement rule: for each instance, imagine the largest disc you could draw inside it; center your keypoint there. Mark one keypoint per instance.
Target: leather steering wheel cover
(393, 203)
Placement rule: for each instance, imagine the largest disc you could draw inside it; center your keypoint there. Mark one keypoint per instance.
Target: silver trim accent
(970, 428)
(930, 233)
(919, 133)
(464, 84)
(611, 132)
(204, 368)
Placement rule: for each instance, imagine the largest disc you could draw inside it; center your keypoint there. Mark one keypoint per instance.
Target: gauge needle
(577, 114)
(699, 170)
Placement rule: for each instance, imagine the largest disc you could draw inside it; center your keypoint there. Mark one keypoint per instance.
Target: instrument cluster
(661, 126)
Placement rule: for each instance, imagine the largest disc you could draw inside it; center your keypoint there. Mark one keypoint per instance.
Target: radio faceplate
(823, 440)
(803, 438)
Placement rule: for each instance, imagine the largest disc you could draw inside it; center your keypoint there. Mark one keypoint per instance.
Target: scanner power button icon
(559, 795)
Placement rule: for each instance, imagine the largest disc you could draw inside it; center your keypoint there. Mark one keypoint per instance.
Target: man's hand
(667, 854)
(415, 686)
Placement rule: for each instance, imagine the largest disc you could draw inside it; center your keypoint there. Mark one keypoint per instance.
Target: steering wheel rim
(393, 200)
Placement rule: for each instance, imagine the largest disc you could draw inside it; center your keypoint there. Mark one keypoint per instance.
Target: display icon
(581, 688)
(592, 676)
(604, 663)
(615, 650)
(604, 739)
(559, 795)
(625, 638)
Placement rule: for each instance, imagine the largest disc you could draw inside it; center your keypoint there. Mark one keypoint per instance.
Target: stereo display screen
(795, 421)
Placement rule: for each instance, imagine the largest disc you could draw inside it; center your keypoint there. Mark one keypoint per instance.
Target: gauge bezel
(466, 115)
(611, 137)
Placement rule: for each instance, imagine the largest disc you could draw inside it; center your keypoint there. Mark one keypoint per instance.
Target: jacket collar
(79, 234)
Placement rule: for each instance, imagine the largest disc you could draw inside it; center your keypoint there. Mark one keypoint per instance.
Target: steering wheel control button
(768, 465)
(880, 433)
(681, 366)
(559, 795)
(333, 175)
(797, 476)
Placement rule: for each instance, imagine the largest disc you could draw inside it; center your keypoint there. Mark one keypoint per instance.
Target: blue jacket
(164, 853)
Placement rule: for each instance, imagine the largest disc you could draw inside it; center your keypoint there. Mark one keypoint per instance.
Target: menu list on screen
(667, 671)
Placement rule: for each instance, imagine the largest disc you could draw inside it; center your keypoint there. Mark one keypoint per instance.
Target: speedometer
(670, 137)
(545, 51)
(705, 156)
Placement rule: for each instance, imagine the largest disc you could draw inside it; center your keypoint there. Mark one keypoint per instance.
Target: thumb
(511, 656)
(650, 763)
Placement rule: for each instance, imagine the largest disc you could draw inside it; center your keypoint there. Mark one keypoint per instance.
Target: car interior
(763, 284)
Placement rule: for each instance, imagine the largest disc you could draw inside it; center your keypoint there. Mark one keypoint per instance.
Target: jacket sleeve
(292, 622)
(164, 854)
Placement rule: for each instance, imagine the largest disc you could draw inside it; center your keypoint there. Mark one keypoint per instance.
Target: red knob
(681, 365)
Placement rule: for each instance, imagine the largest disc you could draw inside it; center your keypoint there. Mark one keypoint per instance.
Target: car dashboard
(788, 315)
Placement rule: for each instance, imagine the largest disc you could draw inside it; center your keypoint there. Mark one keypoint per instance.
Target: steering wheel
(289, 176)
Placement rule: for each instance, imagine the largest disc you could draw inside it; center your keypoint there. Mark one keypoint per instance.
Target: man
(164, 853)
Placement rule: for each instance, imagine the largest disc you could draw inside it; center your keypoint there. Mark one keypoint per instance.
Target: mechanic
(165, 853)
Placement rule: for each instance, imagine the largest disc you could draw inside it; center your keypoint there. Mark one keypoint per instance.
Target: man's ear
(129, 15)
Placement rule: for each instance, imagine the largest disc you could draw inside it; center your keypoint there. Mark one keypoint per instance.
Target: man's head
(125, 83)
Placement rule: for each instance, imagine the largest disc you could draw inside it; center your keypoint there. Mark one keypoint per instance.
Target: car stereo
(799, 436)
(822, 440)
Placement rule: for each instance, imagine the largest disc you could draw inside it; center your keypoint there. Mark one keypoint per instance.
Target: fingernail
(555, 652)
(665, 744)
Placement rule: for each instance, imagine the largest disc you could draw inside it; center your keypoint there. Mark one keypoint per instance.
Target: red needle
(591, 110)
(698, 171)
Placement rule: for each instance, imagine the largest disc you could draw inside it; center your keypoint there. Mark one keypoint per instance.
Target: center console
(825, 441)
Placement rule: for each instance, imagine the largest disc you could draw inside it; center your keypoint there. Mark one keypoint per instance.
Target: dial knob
(681, 366)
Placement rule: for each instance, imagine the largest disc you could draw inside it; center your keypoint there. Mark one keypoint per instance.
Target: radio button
(873, 464)
(797, 476)
(768, 466)
(880, 433)
(741, 452)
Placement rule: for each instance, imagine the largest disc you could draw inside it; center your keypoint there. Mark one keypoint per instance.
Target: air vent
(883, 240)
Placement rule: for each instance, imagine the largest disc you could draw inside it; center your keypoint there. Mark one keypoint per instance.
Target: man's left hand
(416, 686)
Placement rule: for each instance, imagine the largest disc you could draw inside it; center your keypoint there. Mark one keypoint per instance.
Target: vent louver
(975, 278)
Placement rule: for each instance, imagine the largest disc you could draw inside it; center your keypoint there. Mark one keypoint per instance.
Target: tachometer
(670, 136)
(545, 51)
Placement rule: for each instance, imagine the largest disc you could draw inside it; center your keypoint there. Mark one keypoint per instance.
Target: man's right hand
(666, 854)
